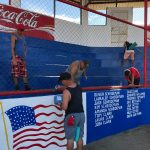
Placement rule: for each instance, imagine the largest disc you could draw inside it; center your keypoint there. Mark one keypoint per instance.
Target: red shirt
(134, 72)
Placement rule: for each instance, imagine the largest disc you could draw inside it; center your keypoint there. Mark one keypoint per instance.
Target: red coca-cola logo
(36, 25)
(26, 18)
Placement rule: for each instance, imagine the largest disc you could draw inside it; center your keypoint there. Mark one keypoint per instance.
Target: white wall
(136, 34)
(94, 36)
(45, 112)
(68, 32)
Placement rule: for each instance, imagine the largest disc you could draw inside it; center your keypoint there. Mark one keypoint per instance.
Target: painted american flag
(34, 127)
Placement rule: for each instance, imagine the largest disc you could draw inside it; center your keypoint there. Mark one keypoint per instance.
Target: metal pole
(145, 42)
(116, 3)
(9, 2)
(5, 127)
(99, 13)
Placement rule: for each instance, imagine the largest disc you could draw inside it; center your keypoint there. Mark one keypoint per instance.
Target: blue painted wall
(46, 59)
(112, 111)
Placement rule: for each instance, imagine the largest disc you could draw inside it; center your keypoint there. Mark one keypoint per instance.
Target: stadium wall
(47, 59)
(36, 122)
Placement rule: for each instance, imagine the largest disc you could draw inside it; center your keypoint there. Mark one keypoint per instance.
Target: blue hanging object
(77, 135)
(57, 99)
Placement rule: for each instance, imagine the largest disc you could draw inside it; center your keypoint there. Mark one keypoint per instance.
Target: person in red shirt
(132, 75)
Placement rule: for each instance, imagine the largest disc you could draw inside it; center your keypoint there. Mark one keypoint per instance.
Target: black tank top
(75, 104)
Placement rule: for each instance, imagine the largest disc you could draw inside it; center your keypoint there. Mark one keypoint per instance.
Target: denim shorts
(70, 131)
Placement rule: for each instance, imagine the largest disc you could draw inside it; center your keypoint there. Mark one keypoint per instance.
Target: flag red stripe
(39, 145)
(38, 134)
(44, 114)
(41, 123)
(39, 139)
(32, 129)
(46, 106)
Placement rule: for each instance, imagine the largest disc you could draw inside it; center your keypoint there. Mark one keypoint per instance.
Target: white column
(84, 14)
(16, 3)
(84, 28)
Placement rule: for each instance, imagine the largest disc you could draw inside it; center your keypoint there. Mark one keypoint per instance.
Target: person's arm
(13, 40)
(132, 82)
(124, 45)
(132, 76)
(74, 69)
(66, 99)
(128, 79)
(25, 49)
(84, 73)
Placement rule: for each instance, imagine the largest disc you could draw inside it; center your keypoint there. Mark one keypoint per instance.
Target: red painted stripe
(11, 93)
(39, 139)
(32, 129)
(41, 123)
(39, 145)
(46, 106)
(44, 114)
(59, 132)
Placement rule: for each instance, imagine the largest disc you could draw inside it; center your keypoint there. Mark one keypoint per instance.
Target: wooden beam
(113, 2)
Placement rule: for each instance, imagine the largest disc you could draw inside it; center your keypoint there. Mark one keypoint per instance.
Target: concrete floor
(134, 139)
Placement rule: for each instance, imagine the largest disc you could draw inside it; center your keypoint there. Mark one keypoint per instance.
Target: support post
(15, 3)
(145, 42)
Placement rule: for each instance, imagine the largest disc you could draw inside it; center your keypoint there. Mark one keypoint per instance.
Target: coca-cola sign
(36, 25)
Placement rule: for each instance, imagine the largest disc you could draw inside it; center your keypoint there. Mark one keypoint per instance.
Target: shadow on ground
(134, 139)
